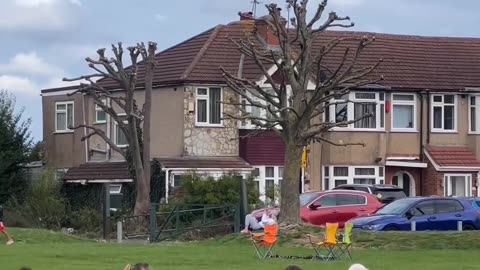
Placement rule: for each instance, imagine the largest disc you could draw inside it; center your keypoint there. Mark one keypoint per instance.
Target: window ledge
(444, 131)
(64, 132)
(356, 130)
(404, 131)
(209, 126)
(122, 146)
(100, 123)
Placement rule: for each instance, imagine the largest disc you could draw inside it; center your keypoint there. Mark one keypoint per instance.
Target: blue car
(430, 214)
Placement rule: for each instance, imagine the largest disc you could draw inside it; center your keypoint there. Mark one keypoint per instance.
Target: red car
(334, 206)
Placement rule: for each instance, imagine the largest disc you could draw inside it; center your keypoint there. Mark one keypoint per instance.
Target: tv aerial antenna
(255, 3)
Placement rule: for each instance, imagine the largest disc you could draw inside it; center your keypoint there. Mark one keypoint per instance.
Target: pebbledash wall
(209, 141)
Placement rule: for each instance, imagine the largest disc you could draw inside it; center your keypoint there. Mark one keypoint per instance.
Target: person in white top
(357, 266)
(252, 223)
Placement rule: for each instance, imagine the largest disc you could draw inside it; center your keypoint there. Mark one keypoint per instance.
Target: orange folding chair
(265, 242)
(328, 244)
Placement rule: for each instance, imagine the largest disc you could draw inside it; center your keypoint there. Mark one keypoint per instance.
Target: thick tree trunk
(290, 203)
(142, 200)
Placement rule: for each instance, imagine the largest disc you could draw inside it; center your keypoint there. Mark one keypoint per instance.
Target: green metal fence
(172, 221)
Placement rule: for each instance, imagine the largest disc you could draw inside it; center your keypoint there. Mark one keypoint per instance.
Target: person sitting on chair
(251, 222)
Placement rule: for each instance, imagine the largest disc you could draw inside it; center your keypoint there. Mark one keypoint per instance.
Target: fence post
(119, 231)
(460, 225)
(243, 199)
(236, 226)
(106, 212)
(153, 222)
(414, 225)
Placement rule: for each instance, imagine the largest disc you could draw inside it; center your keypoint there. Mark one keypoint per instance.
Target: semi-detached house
(424, 137)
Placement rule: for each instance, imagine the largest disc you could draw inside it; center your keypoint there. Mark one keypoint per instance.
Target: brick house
(424, 136)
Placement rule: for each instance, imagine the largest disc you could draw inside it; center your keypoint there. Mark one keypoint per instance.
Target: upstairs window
(120, 138)
(444, 113)
(63, 116)
(260, 112)
(357, 105)
(474, 115)
(100, 114)
(209, 106)
(403, 112)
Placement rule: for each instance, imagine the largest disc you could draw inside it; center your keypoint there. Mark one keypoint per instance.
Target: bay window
(356, 106)
(443, 113)
(63, 116)
(403, 112)
(458, 185)
(209, 106)
(335, 176)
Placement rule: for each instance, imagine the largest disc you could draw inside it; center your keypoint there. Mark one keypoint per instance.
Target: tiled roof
(452, 156)
(99, 171)
(204, 163)
(409, 62)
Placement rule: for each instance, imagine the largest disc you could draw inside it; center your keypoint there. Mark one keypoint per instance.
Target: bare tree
(121, 101)
(293, 108)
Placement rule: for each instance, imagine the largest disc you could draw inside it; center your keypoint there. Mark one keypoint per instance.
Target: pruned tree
(122, 107)
(299, 96)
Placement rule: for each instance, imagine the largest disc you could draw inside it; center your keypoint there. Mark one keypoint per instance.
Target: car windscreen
(395, 208)
(307, 198)
(389, 194)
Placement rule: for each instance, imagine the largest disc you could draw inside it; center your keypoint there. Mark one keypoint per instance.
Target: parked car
(339, 206)
(431, 213)
(385, 193)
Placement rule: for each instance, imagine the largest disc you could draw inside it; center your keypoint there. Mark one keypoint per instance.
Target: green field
(43, 250)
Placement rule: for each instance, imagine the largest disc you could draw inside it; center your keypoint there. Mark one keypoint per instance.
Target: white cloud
(37, 15)
(30, 64)
(18, 85)
(346, 3)
(161, 17)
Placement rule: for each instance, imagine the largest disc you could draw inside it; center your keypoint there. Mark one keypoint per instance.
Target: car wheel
(468, 227)
(391, 228)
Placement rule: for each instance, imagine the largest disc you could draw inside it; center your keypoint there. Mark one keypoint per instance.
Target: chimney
(266, 31)
(246, 16)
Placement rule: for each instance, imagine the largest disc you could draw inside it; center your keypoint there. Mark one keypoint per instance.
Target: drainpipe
(421, 146)
(85, 128)
(108, 153)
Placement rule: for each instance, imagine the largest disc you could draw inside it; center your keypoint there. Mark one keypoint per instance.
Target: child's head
(293, 267)
(357, 266)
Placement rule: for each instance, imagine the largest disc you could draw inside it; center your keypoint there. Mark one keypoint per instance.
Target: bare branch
(321, 139)
(101, 134)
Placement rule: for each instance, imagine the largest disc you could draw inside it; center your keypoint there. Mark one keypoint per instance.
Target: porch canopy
(205, 164)
(452, 158)
(409, 161)
(99, 172)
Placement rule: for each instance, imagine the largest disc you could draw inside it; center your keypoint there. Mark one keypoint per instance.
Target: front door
(402, 180)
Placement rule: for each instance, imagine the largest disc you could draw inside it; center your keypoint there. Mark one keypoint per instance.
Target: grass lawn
(42, 250)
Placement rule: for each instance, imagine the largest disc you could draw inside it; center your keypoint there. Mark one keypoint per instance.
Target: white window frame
(262, 179)
(99, 109)
(379, 125)
(404, 103)
(115, 135)
(448, 187)
(115, 189)
(442, 105)
(66, 103)
(379, 175)
(207, 99)
(246, 124)
(477, 114)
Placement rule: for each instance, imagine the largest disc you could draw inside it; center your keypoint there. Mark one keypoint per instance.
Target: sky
(42, 41)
